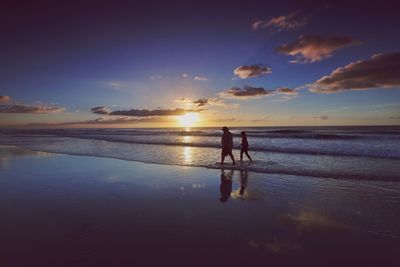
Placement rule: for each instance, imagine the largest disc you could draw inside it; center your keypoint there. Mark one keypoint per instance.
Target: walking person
(244, 147)
(227, 145)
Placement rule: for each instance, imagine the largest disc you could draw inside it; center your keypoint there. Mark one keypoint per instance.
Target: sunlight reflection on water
(187, 139)
(187, 155)
(187, 150)
(13, 152)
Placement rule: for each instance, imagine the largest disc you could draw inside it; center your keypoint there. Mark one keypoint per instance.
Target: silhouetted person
(244, 147)
(243, 181)
(227, 145)
(226, 185)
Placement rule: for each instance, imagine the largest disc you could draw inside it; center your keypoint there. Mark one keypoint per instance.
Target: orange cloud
(287, 22)
(30, 109)
(142, 112)
(204, 102)
(313, 48)
(5, 99)
(381, 70)
(246, 92)
(286, 91)
(100, 110)
(252, 71)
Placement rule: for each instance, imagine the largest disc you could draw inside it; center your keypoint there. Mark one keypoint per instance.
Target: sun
(188, 119)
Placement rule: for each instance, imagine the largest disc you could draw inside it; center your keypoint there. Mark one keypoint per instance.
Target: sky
(199, 63)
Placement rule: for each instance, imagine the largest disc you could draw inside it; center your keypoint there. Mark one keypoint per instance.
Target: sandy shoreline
(77, 210)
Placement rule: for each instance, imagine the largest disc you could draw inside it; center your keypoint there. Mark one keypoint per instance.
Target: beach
(357, 152)
(69, 210)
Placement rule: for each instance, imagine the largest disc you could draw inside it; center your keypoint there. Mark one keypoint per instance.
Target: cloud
(287, 22)
(117, 85)
(5, 99)
(286, 91)
(381, 70)
(201, 102)
(394, 117)
(209, 102)
(251, 71)
(122, 120)
(151, 113)
(246, 92)
(156, 77)
(100, 110)
(25, 109)
(184, 75)
(200, 78)
(184, 100)
(204, 102)
(313, 48)
(106, 121)
(321, 117)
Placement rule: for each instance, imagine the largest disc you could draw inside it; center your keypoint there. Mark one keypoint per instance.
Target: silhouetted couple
(225, 187)
(227, 146)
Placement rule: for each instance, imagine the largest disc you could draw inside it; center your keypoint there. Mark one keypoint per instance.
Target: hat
(224, 128)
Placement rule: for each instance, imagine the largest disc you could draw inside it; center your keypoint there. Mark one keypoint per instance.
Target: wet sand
(61, 210)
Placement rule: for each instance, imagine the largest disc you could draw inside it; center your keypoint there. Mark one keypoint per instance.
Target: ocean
(356, 152)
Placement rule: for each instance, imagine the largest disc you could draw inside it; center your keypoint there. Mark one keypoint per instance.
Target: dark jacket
(227, 142)
(245, 144)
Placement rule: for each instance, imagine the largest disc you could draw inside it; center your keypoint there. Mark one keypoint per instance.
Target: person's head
(225, 129)
(243, 134)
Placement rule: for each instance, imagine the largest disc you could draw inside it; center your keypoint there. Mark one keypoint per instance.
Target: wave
(218, 135)
(305, 150)
(258, 135)
(259, 166)
(321, 133)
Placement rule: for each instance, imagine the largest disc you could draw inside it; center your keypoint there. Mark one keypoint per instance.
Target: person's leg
(247, 154)
(233, 159)
(241, 155)
(222, 158)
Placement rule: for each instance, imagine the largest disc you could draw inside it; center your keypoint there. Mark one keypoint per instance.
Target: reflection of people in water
(226, 185)
(244, 147)
(227, 145)
(243, 181)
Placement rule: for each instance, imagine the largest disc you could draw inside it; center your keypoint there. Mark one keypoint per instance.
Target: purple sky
(108, 63)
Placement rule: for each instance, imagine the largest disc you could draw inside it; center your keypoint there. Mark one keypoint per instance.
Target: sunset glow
(188, 120)
(263, 64)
